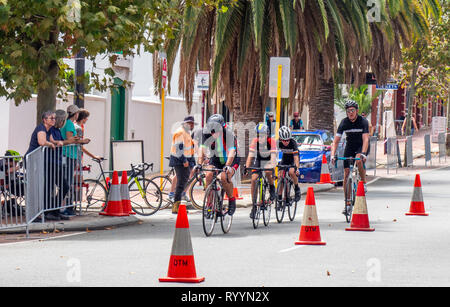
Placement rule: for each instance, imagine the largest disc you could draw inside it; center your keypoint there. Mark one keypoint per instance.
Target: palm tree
(324, 39)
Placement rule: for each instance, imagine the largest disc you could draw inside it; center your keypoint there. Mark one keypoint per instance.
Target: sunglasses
(51, 118)
(351, 110)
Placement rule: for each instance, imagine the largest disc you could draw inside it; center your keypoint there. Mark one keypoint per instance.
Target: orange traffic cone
(235, 194)
(125, 194)
(360, 217)
(325, 176)
(417, 206)
(310, 231)
(114, 205)
(181, 263)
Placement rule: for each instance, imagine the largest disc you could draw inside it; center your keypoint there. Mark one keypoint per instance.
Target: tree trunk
(321, 107)
(46, 97)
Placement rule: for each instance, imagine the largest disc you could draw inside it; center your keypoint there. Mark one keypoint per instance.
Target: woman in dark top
(42, 135)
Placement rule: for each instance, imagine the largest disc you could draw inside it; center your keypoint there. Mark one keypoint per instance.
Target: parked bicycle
(195, 188)
(261, 203)
(285, 188)
(350, 187)
(145, 196)
(213, 205)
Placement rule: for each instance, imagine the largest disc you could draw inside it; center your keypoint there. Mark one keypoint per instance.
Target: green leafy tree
(358, 94)
(35, 35)
(425, 69)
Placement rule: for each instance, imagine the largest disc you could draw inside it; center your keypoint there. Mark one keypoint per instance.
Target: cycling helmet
(269, 114)
(261, 128)
(216, 118)
(284, 133)
(215, 122)
(351, 104)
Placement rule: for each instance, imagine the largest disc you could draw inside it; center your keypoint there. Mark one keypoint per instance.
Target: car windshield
(309, 142)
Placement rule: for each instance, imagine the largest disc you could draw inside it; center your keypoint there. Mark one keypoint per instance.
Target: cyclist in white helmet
(288, 146)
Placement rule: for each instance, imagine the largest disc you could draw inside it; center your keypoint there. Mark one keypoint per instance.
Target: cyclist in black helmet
(221, 144)
(288, 146)
(356, 129)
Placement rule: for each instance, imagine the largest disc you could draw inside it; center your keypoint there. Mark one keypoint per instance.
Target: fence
(392, 154)
(442, 146)
(12, 192)
(371, 162)
(49, 180)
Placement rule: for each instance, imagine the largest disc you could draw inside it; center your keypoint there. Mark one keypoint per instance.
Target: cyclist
(356, 129)
(288, 146)
(263, 150)
(220, 141)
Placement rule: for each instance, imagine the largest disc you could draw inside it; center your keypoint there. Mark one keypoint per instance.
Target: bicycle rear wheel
(94, 194)
(197, 189)
(209, 210)
(292, 204)
(145, 196)
(165, 185)
(280, 206)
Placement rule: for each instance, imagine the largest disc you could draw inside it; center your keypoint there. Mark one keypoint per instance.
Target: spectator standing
(296, 122)
(413, 125)
(182, 157)
(83, 116)
(271, 123)
(42, 136)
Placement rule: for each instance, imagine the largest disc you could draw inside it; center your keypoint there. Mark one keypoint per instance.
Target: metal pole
(78, 95)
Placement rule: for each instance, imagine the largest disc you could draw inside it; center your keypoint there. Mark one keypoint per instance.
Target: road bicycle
(350, 187)
(213, 205)
(285, 189)
(195, 188)
(145, 196)
(260, 202)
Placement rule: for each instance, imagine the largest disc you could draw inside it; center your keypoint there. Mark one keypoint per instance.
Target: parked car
(312, 146)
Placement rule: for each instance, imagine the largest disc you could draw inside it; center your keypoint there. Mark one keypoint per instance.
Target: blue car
(312, 146)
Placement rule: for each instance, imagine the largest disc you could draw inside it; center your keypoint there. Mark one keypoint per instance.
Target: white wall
(4, 125)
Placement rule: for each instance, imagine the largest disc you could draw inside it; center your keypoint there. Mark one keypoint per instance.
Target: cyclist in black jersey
(356, 129)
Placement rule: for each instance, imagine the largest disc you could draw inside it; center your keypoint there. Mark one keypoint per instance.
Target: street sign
(285, 62)
(203, 80)
(438, 125)
(386, 87)
(164, 72)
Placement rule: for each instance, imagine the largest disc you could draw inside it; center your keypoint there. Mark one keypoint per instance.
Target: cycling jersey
(220, 147)
(263, 151)
(288, 152)
(354, 140)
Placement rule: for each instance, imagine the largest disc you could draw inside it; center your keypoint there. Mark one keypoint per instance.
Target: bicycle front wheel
(292, 204)
(280, 205)
(209, 210)
(145, 196)
(266, 208)
(225, 218)
(258, 201)
(94, 194)
(350, 188)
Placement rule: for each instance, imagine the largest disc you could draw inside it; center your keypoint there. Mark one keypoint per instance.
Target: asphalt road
(402, 251)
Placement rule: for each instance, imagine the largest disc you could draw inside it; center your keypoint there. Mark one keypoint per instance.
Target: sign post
(203, 85)
(279, 76)
(163, 58)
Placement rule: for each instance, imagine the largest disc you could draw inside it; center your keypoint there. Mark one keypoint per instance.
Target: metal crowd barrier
(427, 142)
(12, 192)
(409, 151)
(49, 180)
(371, 162)
(442, 146)
(391, 154)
